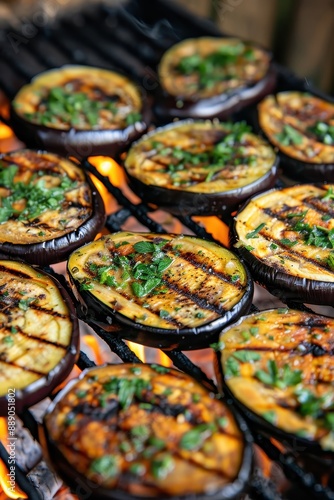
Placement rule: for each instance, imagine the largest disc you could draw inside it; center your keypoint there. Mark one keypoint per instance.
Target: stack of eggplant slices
(136, 431)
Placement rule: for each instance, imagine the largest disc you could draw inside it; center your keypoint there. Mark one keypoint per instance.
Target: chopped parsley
(289, 135)
(279, 377)
(37, 197)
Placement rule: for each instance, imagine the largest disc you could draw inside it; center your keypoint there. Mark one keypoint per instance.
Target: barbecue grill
(131, 39)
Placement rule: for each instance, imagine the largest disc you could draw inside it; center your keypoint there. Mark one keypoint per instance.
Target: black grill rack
(130, 39)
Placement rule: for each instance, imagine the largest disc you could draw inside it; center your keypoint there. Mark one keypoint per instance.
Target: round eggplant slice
(167, 291)
(212, 77)
(200, 167)
(146, 431)
(33, 360)
(302, 127)
(48, 206)
(79, 111)
(287, 238)
(278, 366)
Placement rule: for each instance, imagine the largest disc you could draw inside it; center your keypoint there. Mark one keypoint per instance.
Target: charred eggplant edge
(41, 388)
(260, 423)
(163, 338)
(77, 480)
(181, 202)
(57, 249)
(283, 285)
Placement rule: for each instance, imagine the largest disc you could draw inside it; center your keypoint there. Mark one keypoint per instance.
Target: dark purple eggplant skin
(259, 424)
(295, 169)
(41, 388)
(58, 249)
(222, 106)
(86, 489)
(185, 339)
(305, 172)
(78, 143)
(283, 285)
(180, 202)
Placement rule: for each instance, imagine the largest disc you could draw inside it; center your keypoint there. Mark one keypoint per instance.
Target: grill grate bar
(139, 211)
(183, 363)
(293, 471)
(84, 361)
(90, 38)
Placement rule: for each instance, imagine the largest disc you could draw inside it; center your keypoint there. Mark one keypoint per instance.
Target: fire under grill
(131, 39)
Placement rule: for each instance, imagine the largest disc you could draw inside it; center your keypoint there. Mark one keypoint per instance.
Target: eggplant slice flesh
(39, 335)
(278, 366)
(146, 431)
(210, 77)
(301, 125)
(200, 167)
(48, 206)
(79, 111)
(162, 290)
(287, 238)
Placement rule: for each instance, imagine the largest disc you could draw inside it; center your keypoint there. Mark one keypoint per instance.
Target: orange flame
(5, 132)
(138, 349)
(94, 345)
(6, 483)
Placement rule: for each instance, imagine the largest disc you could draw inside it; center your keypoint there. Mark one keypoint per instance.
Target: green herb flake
(160, 369)
(105, 466)
(162, 465)
(232, 368)
(247, 356)
(193, 439)
(137, 469)
(8, 340)
(164, 314)
(270, 416)
(254, 234)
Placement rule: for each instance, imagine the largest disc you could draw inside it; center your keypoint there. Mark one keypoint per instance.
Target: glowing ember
(6, 483)
(5, 131)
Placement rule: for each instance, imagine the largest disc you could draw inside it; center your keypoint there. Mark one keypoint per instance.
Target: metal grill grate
(130, 39)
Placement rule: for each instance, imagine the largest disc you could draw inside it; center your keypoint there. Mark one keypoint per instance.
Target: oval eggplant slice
(278, 366)
(39, 335)
(212, 77)
(302, 127)
(200, 167)
(48, 206)
(79, 111)
(146, 431)
(170, 291)
(287, 238)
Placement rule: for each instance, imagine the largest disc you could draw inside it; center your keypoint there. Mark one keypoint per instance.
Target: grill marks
(35, 325)
(200, 157)
(281, 211)
(45, 198)
(282, 366)
(199, 285)
(154, 424)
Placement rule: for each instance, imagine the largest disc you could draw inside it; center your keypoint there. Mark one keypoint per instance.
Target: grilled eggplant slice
(287, 238)
(278, 366)
(39, 335)
(200, 167)
(146, 431)
(302, 127)
(79, 111)
(212, 77)
(48, 206)
(170, 291)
